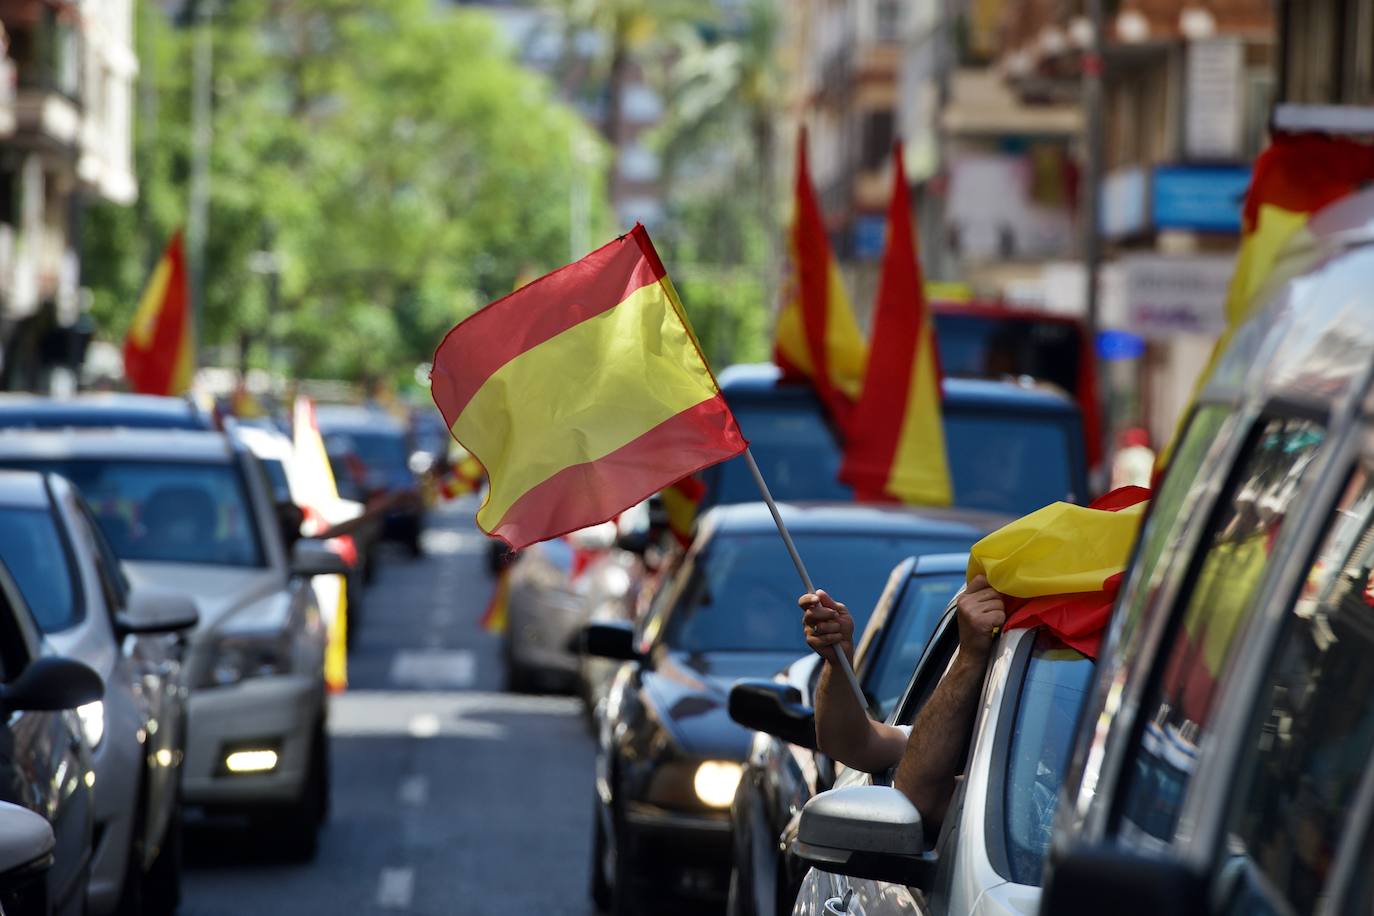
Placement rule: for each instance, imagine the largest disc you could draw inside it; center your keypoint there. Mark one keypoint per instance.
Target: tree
(405, 168)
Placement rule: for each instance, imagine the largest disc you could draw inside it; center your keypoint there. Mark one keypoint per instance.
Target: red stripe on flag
(509, 326)
(592, 492)
(152, 370)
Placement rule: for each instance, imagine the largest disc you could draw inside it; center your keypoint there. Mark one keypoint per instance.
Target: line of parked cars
(163, 646)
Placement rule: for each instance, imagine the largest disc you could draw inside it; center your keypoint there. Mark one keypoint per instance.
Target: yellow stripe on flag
(632, 356)
(916, 478)
(144, 322)
(845, 348)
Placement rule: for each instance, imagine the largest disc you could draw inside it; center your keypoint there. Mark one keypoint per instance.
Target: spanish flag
(1295, 176)
(463, 478)
(896, 445)
(817, 335)
(495, 616)
(581, 394)
(157, 351)
(681, 502)
(1061, 566)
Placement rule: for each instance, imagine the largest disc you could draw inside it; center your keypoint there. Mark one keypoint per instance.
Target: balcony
(45, 48)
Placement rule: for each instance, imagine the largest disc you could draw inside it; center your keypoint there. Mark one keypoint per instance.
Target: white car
(193, 512)
(868, 848)
(80, 600)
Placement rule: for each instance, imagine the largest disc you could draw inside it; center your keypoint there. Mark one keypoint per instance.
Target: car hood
(218, 591)
(689, 693)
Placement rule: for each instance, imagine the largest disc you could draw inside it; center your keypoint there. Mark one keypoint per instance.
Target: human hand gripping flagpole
(840, 660)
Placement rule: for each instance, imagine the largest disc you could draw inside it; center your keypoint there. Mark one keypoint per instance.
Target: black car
(669, 757)
(784, 769)
(44, 763)
(101, 410)
(370, 452)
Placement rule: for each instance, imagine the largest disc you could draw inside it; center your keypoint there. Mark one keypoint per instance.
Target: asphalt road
(449, 796)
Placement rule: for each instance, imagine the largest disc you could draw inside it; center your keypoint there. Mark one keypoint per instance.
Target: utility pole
(1094, 154)
(202, 129)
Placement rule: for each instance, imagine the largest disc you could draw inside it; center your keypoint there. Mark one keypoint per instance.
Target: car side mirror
(314, 558)
(26, 846)
(155, 611)
(1081, 879)
(872, 832)
(49, 684)
(775, 709)
(611, 639)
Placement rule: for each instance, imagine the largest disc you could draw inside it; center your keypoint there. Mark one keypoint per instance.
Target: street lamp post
(1094, 154)
(198, 205)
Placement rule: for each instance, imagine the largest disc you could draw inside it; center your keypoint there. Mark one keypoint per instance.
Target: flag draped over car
(581, 394)
(1060, 567)
(158, 357)
(817, 336)
(1294, 177)
(895, 448)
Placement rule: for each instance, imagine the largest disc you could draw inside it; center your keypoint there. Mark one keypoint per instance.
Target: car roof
(265, 443)
(23, 489)
(744, 382)
(179, 445)
(935, 564)
(350, 418)
(855, 518)
(101, 409)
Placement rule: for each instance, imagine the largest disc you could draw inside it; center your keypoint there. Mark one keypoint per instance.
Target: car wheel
(600, 885)
(413, 544)
(519, 679)
(162, 882)
(297, 829)
(733, 906)
(624, 899)
(131, 891)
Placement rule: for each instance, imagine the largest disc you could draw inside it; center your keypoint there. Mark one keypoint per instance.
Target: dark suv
(370, 454)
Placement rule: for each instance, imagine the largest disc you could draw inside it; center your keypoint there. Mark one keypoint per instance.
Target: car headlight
(92, 717)
(715, 782)
(236, 657)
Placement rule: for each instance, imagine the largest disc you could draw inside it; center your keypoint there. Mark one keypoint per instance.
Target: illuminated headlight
(715, 782)
(237, 657)
(92, 717)
(253, 760)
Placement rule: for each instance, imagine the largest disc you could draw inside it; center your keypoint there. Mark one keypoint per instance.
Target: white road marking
(414, 791)
(425, 725)
(453, 713)
(396, 888)
(433, 667)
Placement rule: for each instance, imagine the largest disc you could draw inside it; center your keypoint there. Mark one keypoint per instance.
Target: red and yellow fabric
(1061, 566)
(331, 592)
(895, 448)
(817, 336)
(581, 394)
(495, 616)
(158, 356)
(1294, 177)
(463, 478)
(681, 501)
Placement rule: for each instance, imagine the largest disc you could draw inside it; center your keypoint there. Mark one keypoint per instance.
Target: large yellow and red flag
(1295, 176)
(817, 336)
(581, 394)
(158, 356)
(895, 448)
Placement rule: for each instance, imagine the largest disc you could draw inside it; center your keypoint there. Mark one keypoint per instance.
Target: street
(430, 760)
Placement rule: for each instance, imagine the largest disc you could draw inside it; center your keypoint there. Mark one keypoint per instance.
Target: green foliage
(401, 166)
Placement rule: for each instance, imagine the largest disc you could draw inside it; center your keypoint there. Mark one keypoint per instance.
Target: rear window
(38, 559)
(741, 591)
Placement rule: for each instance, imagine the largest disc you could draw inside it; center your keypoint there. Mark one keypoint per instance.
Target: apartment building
(71, 66)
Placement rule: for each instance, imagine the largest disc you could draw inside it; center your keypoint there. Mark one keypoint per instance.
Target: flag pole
(841, 660)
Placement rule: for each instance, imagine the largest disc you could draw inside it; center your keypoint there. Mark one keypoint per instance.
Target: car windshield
(378, 451)
(909, 627)
(741, 592)
(165, 511)
(1008, 463)
(978, 345)
(1052, 694)
(34, 551)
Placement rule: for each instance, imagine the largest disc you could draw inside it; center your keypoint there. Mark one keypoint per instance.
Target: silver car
(82, 603)
(193, 512)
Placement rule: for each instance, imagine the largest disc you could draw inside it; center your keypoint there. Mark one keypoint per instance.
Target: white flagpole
(841, 660)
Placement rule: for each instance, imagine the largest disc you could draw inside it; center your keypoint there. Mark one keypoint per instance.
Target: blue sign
(869, 232)
(1114, 345)
(1201, 197)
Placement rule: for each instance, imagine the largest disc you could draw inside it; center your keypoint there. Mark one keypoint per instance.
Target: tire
(624, 899)
(600, 887)
(130, 901)
(519, 679)
(733, 906)
(413, 543)
(296, 831)
(162, 881)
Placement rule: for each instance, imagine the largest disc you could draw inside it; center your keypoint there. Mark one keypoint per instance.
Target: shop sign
(1202, 198)
(1176, 295)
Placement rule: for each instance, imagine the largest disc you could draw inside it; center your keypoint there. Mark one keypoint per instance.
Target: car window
(107, 565)
(1315, 733)
(276, 479)
(166, 511)
(40, 560)
(741, 594)
(909, 627)
(1047, 708)
(377, 451)
(1232, 560)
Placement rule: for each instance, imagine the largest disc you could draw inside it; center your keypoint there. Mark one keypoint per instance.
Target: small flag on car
(581, 394)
